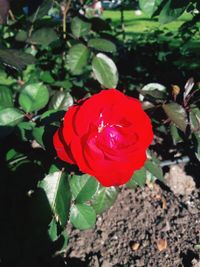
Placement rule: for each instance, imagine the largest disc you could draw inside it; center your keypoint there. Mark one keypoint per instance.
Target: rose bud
(106, 136)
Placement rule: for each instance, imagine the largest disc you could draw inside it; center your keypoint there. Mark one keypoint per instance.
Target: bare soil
(153, 226)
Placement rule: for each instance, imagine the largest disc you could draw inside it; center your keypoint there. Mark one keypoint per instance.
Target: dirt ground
(155, 226)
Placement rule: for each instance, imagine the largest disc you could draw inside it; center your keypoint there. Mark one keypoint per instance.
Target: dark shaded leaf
(42, 10)
(21, 36)
(103, 45)
(175, 134)
(79, 27)
(172, 10)
(195, 119)
(177, 114)
(15, 58)
(43, 36)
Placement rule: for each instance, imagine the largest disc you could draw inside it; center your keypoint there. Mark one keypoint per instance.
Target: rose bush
(106, 135)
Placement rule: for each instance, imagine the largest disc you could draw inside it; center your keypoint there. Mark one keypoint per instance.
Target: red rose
(106, 136)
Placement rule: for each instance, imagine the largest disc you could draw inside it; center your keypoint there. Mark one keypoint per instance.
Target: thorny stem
(11, 15)
(65, 8)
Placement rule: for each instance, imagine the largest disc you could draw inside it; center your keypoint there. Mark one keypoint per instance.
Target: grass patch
(137, 24)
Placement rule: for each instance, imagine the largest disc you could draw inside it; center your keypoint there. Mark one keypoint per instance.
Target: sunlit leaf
(82, 216)
(34, 97)
(56, 187)
(83, 187)
(77, 58)
(104, 198)
(105, 70)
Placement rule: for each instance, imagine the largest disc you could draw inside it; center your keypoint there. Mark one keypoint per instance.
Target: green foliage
(33, 97)
(104, 199)
(79, 27)
(105, 70)
(83, 187)
(10, 117)
(77, 59)
(5, 97)
(168, 11)
(82, 216)
(15, 58)
(102, 45)
(56, 187)
(43, 36)
(177, 114)
(138, 178)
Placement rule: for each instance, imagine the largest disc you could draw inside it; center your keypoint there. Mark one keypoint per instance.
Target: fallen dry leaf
(135, 246)
(164, 203)
(161, 244)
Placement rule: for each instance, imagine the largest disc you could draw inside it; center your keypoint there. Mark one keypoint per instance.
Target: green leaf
(195, 118)
(38, 133)
(5, 97)
(61, 101)
(6, 80)
(43, 36)
(10, 117)
(79, 27)
(149, 7)
(52, 230)
(15, 58)
(175, 134)
(138, 178)
(177, 114)
(63, 84)
(46, 77)
(56, 186)
(172, 10)
(52, 116)
(154, 169)
(64, 237)
(34, 97)
(82, 216)
(104, 199)
(83, 187)
(155, 90)
(197, 145)
(102, 45)
(25, 129)
(77, 58)
(21, 36)
(105, 70)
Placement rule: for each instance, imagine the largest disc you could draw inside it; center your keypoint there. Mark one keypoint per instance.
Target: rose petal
(91, 109)
(68, 125)
(63, 151)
